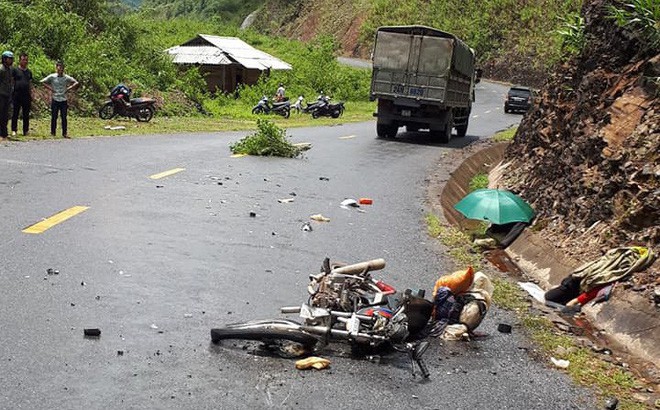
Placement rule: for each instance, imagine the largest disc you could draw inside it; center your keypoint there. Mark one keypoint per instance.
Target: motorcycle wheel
(145, 114)
(266, 331)
(257, 110)
(286, 113)
(107, 111)
(315, 114)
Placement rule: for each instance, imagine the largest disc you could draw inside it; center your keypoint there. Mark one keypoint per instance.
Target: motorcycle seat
(141, 100)
(280, 104)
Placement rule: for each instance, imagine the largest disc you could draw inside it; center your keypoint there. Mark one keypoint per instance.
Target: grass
(506, 135)
(94, 126)
(585, 368)
(457, 243)
(478, 181)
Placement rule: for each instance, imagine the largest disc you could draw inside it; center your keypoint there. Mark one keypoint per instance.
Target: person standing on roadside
(22, 95)
(6, 90)
(59, 85)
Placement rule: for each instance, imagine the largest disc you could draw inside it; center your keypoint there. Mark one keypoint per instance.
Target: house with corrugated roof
(225, 62)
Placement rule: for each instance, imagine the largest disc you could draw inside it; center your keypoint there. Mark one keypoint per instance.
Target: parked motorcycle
(300, 107)
(326, 109)
(121, 104)
(346, 305)
(264, 106)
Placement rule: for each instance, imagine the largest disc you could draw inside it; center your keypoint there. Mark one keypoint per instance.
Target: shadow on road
(424, 138)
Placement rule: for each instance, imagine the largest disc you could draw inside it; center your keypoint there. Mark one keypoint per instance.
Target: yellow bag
(457, 282)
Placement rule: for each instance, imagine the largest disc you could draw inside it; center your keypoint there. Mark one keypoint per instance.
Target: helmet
(7, 54)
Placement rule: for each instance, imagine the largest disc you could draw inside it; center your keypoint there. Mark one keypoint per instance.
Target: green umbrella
(494, 205)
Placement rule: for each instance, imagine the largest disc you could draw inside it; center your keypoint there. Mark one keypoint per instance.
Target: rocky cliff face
(304, 20)
(587, 156)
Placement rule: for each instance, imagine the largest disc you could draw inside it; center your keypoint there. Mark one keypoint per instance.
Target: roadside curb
(629, 321)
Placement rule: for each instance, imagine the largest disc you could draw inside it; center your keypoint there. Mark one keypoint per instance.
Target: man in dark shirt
(6, 90)
(22, 94)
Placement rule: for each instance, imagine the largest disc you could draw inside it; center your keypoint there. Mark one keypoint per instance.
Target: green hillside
(226, 11)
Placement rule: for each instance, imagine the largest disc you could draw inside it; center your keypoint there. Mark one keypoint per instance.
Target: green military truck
(423, 78)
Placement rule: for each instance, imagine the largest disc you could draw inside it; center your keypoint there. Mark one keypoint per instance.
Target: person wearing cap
(22, 95)
(6, 90)
(59, 85)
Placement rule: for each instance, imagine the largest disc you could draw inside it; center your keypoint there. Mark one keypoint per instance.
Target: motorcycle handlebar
(374, 264)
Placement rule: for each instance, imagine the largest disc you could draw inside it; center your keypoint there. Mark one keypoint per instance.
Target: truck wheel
(386, 130)
(444, 135)
(461, 131)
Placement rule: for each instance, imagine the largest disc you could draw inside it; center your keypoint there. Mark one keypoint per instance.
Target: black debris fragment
(92, 332)
(504, 328)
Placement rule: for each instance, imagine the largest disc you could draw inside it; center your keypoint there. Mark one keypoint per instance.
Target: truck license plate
(405, 113)
(416, 91)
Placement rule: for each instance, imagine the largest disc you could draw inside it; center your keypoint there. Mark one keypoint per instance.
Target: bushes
(643, 18)
(269, 140)
(101, 49)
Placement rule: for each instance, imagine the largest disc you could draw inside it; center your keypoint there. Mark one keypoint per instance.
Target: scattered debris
(92, 332)
(504, 328)
(82, 283)
(562, 364)
(253, 214)
(120, 352)
(366, 201)
(534, 290)
(292, 194)
(611, 403)
(349, 202)
(153, 326)
(52, 271)
(324, 179)
(114, 128)
(286, 200)
(319, 218)
(317, 363)
(306, 227)
(188, 315)
(160, 186)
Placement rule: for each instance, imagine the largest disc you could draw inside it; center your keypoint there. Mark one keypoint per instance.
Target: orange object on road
(366, 201)
(458, 282)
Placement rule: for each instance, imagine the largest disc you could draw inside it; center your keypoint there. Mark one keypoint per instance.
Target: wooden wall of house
(225, 78)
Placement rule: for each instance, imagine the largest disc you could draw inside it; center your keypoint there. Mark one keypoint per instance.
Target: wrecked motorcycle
(346, 305)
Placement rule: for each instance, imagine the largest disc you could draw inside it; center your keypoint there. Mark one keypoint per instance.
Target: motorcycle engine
(397, 328)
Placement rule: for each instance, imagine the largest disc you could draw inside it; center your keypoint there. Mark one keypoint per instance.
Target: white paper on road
(534, 290)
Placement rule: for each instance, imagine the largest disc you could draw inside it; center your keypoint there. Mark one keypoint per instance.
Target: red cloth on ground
(585, 297)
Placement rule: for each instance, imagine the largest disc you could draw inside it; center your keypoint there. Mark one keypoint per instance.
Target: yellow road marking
(239, 155)
(55, 219)
(167, 173)
(348, 137)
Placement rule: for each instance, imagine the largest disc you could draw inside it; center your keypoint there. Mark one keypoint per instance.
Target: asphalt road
(156, 263)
